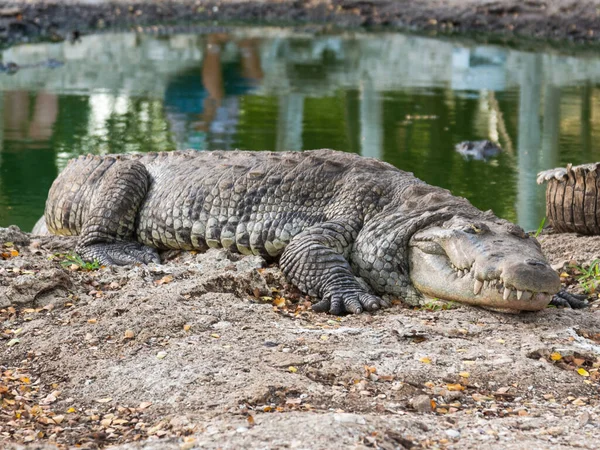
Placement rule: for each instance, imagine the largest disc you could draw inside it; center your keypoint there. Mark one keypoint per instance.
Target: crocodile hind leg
(109, 227)
(314, 261)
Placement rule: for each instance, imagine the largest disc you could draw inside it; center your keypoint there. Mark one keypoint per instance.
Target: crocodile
(478, 150)
(573, 198)
(330, 218)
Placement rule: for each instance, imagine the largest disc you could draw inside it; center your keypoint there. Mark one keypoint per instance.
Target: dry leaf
(464, 374)
(103, 400)
(425, 360)
(584, 373)
(129, 334)
(161, 355)
(481, 398)
(292, 369)
(555, 356)
(145, 405)
(455, 387)
(186, 327)
(279, 302)
(164, 280)
(371, 369)
(92, 321)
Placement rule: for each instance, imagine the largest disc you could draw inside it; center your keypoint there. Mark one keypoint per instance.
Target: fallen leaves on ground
(32, 411)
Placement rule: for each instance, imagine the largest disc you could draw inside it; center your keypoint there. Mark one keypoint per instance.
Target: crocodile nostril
(536, 263)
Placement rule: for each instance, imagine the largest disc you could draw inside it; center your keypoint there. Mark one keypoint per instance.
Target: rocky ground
(215, 350)
(564, 20)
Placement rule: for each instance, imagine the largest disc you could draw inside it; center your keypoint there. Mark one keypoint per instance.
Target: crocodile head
(493, 264)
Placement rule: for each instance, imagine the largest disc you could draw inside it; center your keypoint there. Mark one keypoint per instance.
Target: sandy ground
(564, 20)
(215, 350)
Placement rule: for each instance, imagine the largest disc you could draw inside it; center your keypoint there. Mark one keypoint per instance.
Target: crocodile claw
(119, 253)
(568, 300)
(353, 303)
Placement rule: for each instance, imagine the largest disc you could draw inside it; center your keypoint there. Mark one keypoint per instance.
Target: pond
(405, 99)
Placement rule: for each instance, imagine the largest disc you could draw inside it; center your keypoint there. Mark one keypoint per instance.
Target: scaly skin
(326, 215)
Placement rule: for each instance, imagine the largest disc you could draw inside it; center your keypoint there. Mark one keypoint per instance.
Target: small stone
(349, 418)
(421, 403)
(555, 431)
(179, 422)
(583, 419)
(453, 434)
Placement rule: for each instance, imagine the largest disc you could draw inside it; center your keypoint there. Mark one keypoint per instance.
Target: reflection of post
(371, 123)
(289, 122)
(530, 205)
(1, 127)
(586, 119)
(551, 127)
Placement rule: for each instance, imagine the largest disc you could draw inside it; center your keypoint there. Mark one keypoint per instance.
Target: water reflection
(405, 99)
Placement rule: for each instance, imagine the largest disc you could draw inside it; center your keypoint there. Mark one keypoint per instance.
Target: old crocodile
(573, 198)
(326, 215)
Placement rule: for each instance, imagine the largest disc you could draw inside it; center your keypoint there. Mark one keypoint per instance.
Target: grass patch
(588, 276)
(74, 259)
(438, 305)
(540, 228)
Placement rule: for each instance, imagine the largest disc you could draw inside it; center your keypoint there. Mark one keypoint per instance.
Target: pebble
(349, 418)
(453, 434)
(583, 419)
(421, 403)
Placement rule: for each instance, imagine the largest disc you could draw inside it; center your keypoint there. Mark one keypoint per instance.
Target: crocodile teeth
(478, 286)
(507, 293)
(540, 296)
(465, 272)
(486, 284)
(524, 295)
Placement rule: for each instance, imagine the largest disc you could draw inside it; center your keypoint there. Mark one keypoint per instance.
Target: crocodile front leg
(108, 231)
(315, 261)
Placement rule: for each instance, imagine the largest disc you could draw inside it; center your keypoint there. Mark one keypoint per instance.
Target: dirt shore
(215, 350)
(571, 20)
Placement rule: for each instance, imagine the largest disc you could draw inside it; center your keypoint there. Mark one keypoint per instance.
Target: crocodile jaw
(499, 269)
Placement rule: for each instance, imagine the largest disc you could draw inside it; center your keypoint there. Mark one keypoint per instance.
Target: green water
(407, 100)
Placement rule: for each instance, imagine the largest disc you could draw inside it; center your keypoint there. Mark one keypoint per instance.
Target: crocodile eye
(432, 248)
(516, 230)
(476, 228)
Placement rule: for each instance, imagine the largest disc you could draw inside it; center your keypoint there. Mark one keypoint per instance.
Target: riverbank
(562, 20)
(215, 350)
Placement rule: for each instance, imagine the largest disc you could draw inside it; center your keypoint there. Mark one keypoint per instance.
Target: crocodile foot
(119, 253)
(568, 300)
(354, 303)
